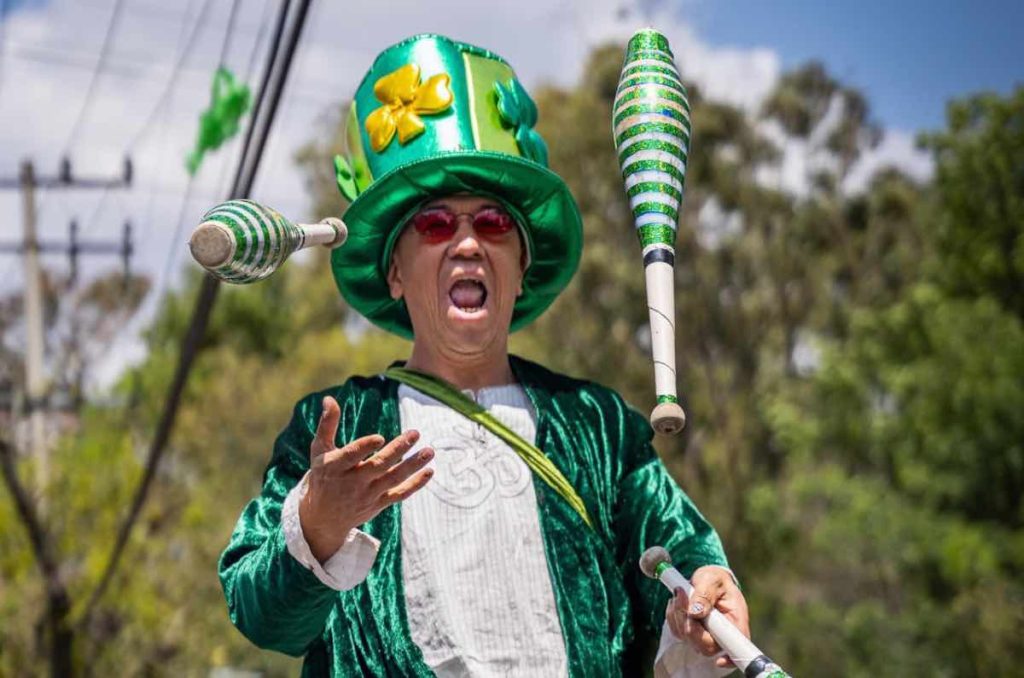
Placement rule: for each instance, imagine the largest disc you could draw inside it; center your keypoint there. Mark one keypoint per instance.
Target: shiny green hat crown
(435, 117)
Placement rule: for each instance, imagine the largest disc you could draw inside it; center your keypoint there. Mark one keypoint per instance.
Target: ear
(394, 280)
(522, 268)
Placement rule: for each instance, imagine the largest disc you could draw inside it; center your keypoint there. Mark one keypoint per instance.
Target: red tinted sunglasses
(438, 224)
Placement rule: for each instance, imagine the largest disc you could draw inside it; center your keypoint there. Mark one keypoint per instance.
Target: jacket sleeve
(652, 510)
(274, 600)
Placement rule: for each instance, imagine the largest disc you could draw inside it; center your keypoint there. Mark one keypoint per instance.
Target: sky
(908, 57)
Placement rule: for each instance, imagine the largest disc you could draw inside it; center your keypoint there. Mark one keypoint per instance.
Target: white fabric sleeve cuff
(679, 659)
(349, 565)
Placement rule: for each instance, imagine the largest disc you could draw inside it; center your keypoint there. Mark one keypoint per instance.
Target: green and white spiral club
(242, 241)
(651, 127)
(651, 124)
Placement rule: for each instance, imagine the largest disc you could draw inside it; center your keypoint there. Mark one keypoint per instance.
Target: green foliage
(980, 182)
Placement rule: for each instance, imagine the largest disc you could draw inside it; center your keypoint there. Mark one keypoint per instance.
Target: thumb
(707, 589)
(326, 430)
(704, 597)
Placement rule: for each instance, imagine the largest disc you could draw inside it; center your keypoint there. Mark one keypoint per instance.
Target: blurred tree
(905, 462)
(980, 184)
(78, 328)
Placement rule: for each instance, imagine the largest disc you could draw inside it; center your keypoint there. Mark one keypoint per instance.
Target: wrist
(323, 542)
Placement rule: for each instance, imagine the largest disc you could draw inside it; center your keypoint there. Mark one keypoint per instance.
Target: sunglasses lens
(435, 225)
(492, 222)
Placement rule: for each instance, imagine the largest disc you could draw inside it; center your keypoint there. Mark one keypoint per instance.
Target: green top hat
(435, 117)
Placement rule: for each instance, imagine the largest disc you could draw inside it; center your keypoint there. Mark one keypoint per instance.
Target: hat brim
(536, 194)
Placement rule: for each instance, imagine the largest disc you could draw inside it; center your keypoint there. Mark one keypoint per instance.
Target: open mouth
(467, 295)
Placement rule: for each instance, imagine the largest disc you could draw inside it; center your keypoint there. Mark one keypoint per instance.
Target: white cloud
(715, 226)
(897, 149)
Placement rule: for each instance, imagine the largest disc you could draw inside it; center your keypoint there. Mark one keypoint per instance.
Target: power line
(183, 50)
(291, 101)
(183, 211)
(127, 68)
(165, 274)
(3, 42)
(90, 93)
(262, 33)
(275, 76)
(228, 32)
(173, 79)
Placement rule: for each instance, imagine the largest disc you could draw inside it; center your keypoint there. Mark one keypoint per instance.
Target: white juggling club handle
(657, 564)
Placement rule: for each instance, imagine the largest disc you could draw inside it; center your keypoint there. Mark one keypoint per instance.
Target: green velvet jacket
(601, 445)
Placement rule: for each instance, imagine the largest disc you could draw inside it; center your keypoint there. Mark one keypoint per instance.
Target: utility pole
(35, 386)
(30, 248)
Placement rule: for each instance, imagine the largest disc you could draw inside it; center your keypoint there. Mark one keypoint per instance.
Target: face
(459, 265)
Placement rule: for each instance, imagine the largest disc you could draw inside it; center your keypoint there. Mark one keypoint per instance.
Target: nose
(465, 244)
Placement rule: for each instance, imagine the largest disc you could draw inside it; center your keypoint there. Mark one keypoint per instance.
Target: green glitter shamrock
(517, 110)
(229, 101)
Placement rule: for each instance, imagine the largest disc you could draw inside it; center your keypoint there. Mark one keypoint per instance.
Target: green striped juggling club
(241, 241)
(651, 126)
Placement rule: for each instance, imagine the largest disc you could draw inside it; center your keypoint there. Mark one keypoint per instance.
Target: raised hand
(350, 485)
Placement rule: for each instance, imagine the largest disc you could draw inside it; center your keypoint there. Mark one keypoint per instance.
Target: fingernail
(696, 608)
(679, 591)
(412, 436)
(427, 454)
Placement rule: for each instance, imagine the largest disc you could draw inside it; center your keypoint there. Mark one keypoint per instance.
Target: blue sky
(909, 56)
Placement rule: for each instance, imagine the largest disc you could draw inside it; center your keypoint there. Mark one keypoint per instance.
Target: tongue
(466, 294)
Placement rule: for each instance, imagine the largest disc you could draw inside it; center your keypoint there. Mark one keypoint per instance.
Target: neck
(464, 370)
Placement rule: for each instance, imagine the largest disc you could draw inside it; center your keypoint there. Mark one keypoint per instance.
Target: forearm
(273, 599)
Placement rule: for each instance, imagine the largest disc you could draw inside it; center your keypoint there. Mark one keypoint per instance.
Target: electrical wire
(3, 41)
(172, 80)
(207, 294)
(225, 47)
(182, 48)
(173, 250)
(291, 101)
(90, 93)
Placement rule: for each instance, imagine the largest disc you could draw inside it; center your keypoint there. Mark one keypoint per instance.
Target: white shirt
(478, 593)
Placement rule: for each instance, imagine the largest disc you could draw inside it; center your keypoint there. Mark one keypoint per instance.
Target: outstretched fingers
(344, 458)
(393, 452)
(406, 478)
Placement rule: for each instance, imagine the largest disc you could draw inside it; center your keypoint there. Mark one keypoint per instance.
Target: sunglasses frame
(450, 223)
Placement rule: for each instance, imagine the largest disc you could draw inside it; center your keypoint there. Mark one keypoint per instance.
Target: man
(395, 536)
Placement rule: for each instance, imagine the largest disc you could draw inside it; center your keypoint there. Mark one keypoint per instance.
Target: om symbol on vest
(473, 463)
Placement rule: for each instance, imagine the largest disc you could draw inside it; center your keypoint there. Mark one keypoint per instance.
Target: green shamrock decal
(346, 179)
(517, 111)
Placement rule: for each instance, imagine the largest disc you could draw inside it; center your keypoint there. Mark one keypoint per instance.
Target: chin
(476, 328)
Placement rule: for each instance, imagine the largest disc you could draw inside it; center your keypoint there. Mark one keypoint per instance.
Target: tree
(905, 446)
(77, 327)
(980, 183)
